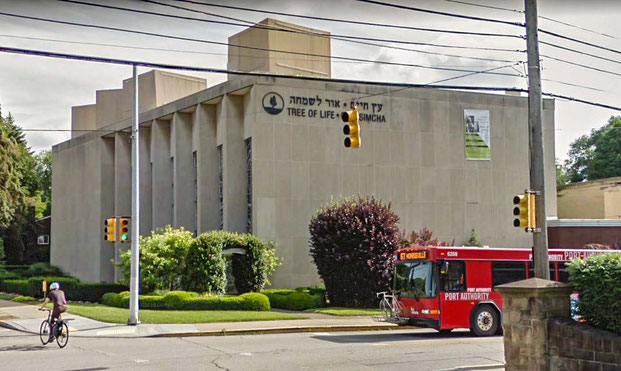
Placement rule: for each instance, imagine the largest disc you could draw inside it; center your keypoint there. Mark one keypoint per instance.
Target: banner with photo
(477, 134)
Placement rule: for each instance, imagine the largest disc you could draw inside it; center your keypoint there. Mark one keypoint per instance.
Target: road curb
(15, 328)
(286, 330)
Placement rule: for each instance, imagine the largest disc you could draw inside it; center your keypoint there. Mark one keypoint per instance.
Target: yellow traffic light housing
(524, 211)
(124, 229)
(352, 128)
(110, 229)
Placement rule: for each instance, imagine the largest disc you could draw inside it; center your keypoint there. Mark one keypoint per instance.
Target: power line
(273, 75)
(485, 6)
(540, 17)
(578, 52)
(448, 14)
(579, 41)
(363, 23)
(489, 20)
(578, 27)
(580, 65)
(193, 51)
(345, 38)
(247, 47)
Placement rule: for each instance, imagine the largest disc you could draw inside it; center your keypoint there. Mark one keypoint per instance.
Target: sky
(39, 92)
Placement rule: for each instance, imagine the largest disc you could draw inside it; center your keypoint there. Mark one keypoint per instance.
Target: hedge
(295, 299)
(73, 288)
(182, 300)
(597, 280)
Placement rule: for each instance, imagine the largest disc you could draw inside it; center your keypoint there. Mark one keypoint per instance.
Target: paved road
(372, 350)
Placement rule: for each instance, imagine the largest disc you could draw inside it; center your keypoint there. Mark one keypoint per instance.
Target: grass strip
(119, 315)
(345, 312)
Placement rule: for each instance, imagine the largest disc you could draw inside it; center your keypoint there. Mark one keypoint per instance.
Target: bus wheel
(484, 321)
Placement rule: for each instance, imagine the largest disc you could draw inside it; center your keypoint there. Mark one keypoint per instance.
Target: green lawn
(345, 312)
(117, 315)
(7, 296)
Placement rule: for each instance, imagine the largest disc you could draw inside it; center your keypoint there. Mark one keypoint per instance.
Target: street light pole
(535, 138)
(135, 225)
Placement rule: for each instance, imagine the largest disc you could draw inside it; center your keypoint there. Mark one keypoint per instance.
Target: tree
(562, 176)
(598, 155)
(353, 242)
(11, 194)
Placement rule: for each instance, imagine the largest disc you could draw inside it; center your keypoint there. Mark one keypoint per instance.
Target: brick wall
(574, 346)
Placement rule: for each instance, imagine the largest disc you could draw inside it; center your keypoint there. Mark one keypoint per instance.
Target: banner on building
(477, 134)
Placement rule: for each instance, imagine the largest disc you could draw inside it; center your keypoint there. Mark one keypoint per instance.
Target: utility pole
(135, 225)
(535, 139)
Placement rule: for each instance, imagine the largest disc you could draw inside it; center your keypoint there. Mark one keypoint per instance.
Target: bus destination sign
(411, 255)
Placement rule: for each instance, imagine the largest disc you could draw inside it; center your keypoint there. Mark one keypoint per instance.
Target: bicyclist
(57, 296)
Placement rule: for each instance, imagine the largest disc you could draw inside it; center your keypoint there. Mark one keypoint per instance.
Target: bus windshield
(415, 279)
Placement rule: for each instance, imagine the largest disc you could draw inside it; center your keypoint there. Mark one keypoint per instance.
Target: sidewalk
(27, 318)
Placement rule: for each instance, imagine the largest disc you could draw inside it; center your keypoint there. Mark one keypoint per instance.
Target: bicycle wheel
(44, 332)
(399, 309)
(385, 309)
(63, 338)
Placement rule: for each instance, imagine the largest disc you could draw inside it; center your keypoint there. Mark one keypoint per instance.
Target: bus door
(416, 286)
(452, 303)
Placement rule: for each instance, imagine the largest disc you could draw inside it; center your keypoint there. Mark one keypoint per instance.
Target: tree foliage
(162, 259)
(352, 244)
(26, 189)
(597, 155)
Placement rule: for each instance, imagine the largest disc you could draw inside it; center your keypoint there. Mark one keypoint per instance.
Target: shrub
(252, 270)
(191, 301)
(162, 259)
(425, 238)
(294, 299)
(205, 267)
(20, 299)
(597, 280)
(43, 269)
(176, 299)
(73, 288)
(474, 239)
(352, 244)
(255, 301)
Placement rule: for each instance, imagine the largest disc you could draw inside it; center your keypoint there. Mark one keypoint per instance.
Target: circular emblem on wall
(273, 103)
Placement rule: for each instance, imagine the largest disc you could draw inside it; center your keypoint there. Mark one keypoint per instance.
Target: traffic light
(110, 229)
(524, 211)
(352, 128)
(124, 229)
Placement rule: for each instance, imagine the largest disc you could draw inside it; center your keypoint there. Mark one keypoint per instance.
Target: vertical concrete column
(181, 150)
(161, 174)
(231, 121)
(528, 307)
(122, 188)
(107, 188)
(206, 146)
(146, 203)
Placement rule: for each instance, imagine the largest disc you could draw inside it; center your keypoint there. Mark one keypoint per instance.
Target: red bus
(453, 287)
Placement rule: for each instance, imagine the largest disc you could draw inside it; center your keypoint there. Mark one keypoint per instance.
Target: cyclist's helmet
(54, 286)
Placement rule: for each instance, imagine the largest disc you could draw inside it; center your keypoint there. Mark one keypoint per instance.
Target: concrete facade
(287, 134)
(412, 157)
(598, 199)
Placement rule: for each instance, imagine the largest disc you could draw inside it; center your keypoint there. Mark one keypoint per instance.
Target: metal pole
(135, 266)
(537, 178)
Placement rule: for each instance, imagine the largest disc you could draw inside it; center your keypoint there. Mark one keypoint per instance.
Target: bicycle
(391, 309)
(61, 330)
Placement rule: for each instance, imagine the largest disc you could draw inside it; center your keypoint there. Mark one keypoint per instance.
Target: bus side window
(454, 280)
(531, 271)
(506, 272)
(563, 273)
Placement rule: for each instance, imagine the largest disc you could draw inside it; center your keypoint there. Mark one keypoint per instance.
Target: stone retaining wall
(574, 346)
